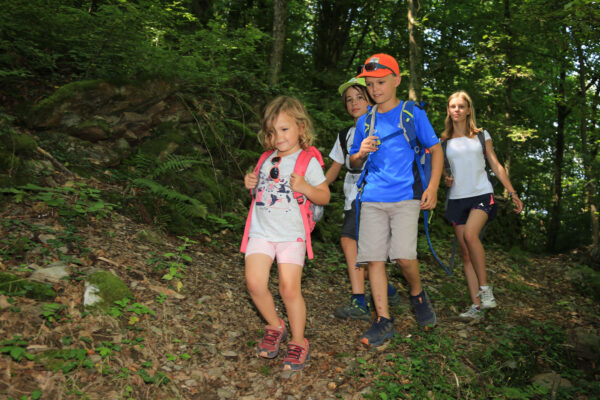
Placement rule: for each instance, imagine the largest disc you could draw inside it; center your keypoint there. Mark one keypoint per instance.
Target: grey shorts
(388, 231)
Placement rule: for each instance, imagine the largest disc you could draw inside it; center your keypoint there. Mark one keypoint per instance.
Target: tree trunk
(414, 52)
(592, 151)
(276, 61)
(562, 111)
(508, 92)
(202, 9)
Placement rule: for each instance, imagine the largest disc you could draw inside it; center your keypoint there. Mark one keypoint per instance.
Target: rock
(46, 237)
(586, 343)
(226, 393)
(233, 334)
(90, 295)
(551, 380)
(230, 354)
(94, 153)
(147, 235)
(108, 287)
(51, 274)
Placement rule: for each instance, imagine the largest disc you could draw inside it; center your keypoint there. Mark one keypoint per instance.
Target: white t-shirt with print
(337, 155)
(276, 215)
(467, 164)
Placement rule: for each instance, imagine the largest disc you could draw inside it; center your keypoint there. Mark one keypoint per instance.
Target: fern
(143, 163)
(184, 204)
(173, 163)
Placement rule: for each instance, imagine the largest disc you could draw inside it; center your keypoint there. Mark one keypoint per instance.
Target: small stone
(230, 354)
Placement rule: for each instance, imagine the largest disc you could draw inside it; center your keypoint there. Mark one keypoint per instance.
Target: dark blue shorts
(349, 227)
(457, 210)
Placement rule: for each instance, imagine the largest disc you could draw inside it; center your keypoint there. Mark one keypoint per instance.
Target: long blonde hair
(295, 109)
(471, 121)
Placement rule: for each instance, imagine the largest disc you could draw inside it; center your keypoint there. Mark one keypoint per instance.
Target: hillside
(199, 342)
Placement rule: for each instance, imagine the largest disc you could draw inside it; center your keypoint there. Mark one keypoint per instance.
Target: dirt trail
(203, 338)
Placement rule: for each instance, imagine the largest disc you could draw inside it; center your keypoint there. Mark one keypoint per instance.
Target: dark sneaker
(381, 330)
(296, 356)
(353, 311)
(269, 347)
(425, 313)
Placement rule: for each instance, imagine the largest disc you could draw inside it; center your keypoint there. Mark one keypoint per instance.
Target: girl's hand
(449, 180)
(297, 183)
(251, 180)
(368, 145)
(517, 202)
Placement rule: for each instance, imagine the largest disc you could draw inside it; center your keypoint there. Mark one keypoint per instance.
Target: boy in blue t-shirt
(392, 196)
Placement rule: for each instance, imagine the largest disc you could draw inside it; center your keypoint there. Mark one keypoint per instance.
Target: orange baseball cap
(379, 65)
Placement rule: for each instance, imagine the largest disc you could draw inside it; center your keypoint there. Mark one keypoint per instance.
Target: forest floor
(199, 342)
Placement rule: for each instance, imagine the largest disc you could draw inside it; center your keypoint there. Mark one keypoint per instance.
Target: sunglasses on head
(274, 172)
(372, 66)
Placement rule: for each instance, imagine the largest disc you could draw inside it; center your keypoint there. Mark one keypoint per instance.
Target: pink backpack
(311, 213)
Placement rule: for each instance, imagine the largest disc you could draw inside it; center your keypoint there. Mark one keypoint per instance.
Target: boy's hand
(449, 180)
(429, 199)
(251, 180)
(297, 183)
(368, 145)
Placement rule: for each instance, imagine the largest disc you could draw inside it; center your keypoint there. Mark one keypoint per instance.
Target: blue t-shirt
(392, 173)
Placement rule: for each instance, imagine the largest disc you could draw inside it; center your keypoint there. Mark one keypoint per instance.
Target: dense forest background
(126, 127)
(532, 68)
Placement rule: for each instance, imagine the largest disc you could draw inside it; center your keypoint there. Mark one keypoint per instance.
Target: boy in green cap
(355, 99)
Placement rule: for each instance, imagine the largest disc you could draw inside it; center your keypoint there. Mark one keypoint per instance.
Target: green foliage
(51, 312)
(77, 201)
(14, 285)
(15, 347)
(218, 58)
(183, 204)
(586, 279)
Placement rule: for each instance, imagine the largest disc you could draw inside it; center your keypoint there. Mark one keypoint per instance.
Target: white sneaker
(473, 312)
(487, 298)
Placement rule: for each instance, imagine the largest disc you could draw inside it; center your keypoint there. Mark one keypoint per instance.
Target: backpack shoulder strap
(261, 160)
(304, 158)
(343, 138)
(370, 121)
(245, 238)
(300, 168)
(481, 137)
(407, 119)
(446, 162)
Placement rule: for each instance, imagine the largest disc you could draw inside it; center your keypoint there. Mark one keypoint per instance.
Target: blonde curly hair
(295, 109)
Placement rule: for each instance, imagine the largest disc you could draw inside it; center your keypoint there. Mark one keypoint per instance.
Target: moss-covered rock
(18, 143)
(14, 284)
(157, 145)
(45, 112)
(92, 130)
(110, 288)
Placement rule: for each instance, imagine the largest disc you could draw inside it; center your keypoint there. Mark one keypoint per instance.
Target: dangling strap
(245, 238)
(300, 168)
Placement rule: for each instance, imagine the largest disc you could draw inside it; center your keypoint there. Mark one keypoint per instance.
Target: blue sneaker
(353, 311)
(425, 313)
(381, 330)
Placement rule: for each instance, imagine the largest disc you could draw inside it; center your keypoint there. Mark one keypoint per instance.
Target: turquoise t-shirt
(392, 174)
